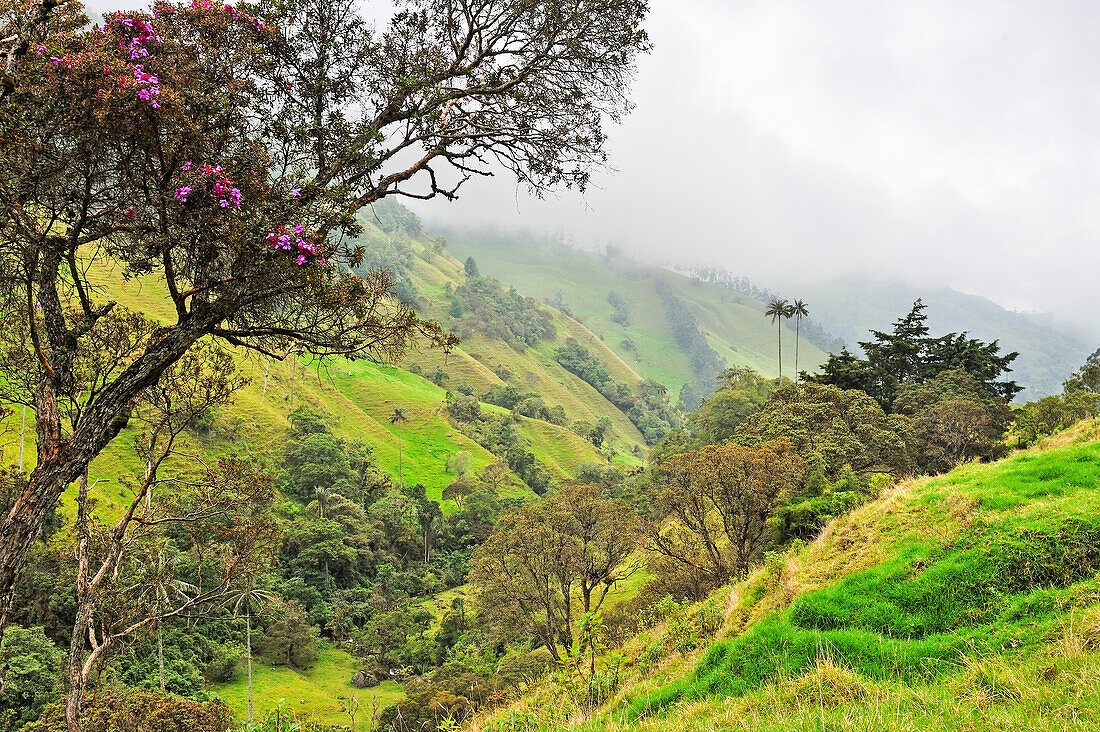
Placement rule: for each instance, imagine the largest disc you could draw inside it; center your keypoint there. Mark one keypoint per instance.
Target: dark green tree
(33, 676)
(908, 355)
(741, 393)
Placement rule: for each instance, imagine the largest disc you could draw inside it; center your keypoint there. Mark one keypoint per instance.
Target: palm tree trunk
(267, 370)
(400, 473)
(160, 656)
(248, 650)
(781, 352)
(797, 327)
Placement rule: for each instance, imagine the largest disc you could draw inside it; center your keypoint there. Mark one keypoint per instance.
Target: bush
(523, 669)
(137, 710)
(33, 676)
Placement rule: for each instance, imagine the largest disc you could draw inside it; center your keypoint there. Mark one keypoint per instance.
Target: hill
(851, 306)
(507, 338)
(969, 601)
(645, 313)
(356, 400)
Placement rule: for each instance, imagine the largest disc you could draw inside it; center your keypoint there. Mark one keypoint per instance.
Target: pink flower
(296, 193)
(131, 213)
(182, 193)
(301, 259)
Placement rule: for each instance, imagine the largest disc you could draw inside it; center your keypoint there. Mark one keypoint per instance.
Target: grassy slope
(733, 323)
(965, 602)
(357, 398)
(533, 368)
(321, 694)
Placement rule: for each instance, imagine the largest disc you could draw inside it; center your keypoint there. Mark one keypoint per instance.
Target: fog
(941, 142)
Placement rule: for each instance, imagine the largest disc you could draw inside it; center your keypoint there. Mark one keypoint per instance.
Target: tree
(396, 419)
(837, 427)
(800, 311)
(458, 490)
(470, 267)
(109, 583)
(229, 162)
(162, 586)
(290, 639)
(741, 393)
(1086, 378)
(495, 476)
(34, 676)
(720, 499)
(539, 557)
(245, 599)
(908, 355)
(459, 463)
(778, 310)
(955, 418)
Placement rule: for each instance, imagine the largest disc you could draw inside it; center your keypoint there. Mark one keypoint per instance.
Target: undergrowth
(969, 601)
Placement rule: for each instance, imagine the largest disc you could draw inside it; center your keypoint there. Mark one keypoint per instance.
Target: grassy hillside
(481, 360)
(733, 324)
(850, 306)
(357, 398)
(322, 694)
(970, 601)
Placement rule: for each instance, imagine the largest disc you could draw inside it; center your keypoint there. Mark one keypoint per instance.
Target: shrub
(33, 675)
(523, 669)
(137, 710)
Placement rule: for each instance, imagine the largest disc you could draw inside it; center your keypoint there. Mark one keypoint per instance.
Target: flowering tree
(223, 152)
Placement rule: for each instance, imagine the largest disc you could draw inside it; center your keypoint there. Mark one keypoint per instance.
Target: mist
(941, 143)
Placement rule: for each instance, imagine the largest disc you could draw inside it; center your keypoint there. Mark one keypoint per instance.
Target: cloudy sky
(944, 142)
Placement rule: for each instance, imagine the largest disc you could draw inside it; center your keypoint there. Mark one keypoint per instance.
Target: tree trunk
(62, 461)
(22, 438)
(400, 476)
(267, 370)
(160, 655)
(781, 352)
(83, 615)
(248, 650)
(797, 328)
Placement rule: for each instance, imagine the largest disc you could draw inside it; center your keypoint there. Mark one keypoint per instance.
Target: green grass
(1001, 583)
(320, 693)
(733, 324)
(970, 601)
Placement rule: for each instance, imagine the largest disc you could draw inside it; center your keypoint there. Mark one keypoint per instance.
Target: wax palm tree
(800, 310)
(162, 586)
(244, 600)
(396, 419)
(777, 311)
